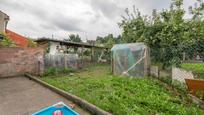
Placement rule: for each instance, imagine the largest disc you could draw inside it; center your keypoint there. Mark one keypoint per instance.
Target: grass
(194, 67)
(122, 95)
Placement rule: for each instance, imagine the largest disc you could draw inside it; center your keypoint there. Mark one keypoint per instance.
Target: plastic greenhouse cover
(128, 59)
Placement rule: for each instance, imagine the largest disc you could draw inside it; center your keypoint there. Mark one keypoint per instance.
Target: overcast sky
(88, 18)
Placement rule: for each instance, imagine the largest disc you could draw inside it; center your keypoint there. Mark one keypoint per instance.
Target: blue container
(59, 106)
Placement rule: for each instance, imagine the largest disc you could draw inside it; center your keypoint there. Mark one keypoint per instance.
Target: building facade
(4, 18)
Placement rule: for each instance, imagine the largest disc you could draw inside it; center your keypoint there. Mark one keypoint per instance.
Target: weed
(122, 95)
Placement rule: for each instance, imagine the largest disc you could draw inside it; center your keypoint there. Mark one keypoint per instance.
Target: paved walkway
(21, 96)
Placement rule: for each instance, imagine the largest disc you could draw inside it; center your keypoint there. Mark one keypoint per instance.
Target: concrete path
(21, 96)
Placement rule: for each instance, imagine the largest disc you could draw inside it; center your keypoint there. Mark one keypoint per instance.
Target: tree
(108, 41)
(167, 33)
(74, 38)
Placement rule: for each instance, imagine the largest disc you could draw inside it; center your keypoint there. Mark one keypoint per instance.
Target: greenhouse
(131, 59)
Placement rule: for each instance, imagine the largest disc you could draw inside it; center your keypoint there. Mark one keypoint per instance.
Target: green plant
(68, 70)
(31, 43)
(179, 87)
(167, 32)
(52, 71)
(194, 67)
(200, 94)
(122, 95)
(6, 42)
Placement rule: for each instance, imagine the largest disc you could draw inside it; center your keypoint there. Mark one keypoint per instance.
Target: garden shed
(132, 59)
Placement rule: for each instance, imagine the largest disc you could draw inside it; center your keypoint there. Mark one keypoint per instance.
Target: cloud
(89, 18)
(66, 23)
(107, 8)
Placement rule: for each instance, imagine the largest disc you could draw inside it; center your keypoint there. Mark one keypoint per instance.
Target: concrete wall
(181, 74)
(53, 47)
(154, 71)
(3, 21)
(16, 61)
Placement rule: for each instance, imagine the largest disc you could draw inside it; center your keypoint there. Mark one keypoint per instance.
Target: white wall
(3, 21)
(53, 47)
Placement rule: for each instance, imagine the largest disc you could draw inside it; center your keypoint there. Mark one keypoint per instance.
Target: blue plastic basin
(59, 106)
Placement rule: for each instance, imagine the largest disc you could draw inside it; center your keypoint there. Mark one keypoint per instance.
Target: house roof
(19, 40)
(75, 44)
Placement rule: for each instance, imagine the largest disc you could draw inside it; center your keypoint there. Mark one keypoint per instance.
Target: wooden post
(184, 56)
(65, 60)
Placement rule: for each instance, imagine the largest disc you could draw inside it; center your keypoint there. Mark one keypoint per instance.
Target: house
(19, 40)
(59, 46)
(4, 18)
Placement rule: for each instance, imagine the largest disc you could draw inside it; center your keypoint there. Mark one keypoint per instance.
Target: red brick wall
(17, 61)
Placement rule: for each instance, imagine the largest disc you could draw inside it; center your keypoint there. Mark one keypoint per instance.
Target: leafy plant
(53, 71)
(200, 94)
(6, 42)
(31, 43)
(167, 33)
(122, 95)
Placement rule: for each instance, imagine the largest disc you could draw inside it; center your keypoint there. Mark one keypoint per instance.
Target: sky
(88, 18)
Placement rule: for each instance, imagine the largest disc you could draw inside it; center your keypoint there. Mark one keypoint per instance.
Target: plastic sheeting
(61, 61)
(130, 59)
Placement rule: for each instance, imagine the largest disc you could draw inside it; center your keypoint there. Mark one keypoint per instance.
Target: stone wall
(181, 74)
(17, 61)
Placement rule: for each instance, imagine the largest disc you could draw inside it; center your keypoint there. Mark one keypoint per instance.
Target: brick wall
(17, 61)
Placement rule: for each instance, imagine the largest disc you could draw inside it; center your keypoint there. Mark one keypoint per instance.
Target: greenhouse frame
(132, 59)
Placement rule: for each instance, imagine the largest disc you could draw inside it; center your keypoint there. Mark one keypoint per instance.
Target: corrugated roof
(71, 43)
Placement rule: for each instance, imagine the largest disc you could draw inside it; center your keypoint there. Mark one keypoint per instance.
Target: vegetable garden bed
(122, 95)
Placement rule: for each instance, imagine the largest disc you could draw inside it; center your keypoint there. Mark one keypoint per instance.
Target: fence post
(65, 61)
